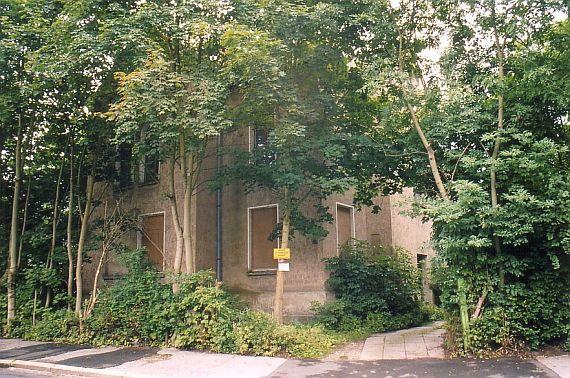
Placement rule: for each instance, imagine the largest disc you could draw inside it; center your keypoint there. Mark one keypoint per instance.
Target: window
(344, 224)
(421, 260)
(148, 169)
(260, 146)
(151, 237)
(123, 165)
(262, 221)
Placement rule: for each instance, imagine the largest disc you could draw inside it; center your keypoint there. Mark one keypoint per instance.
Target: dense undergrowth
(141, 309)
(376, 292)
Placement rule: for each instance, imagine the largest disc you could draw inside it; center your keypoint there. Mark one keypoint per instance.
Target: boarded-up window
(344, 224)
(152, 238)
(262, 222)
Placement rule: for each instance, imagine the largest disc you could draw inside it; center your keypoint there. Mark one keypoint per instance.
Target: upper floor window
(149, 168)
(261, 147)
(123, 165)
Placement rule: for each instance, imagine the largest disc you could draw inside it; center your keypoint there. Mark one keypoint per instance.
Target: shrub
(134, 311)
(376, 289)
(140, 309)
(336, 315)
(307, 341)
(256, 333)
(208, 314)
(58, 326)
(531, 314)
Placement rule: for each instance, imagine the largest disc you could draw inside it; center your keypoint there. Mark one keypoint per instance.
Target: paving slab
(430, 368)
(559, 364)
(413, 343)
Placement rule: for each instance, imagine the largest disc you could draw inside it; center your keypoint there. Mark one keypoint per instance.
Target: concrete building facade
(248, 268)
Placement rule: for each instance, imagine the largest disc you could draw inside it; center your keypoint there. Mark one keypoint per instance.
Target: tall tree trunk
(81, 244)
(500, 127)
(431, 154)
(12, 247)
(280, 277)
(24, 220)
(55, 214)
(54, 222)
(186, 165)
(187, 234)
(70, 267)
(415, 120)
(176, 223)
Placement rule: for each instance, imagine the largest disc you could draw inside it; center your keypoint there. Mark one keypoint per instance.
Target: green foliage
(532, 313)
(141, 310)
(376, 289)
(256, 333)
(206, 315)
(371, 278)
(59, 326)
(307, 341)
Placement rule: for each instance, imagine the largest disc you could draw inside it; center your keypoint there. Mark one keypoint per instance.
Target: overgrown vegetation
(377, 290)
(140, 310)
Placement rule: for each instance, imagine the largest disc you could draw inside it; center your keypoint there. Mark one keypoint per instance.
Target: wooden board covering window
(344, 224)
(153, 238)
(262, 223)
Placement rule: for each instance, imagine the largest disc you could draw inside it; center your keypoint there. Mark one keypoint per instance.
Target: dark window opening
(150, 169)
(124, 165)
(263, 152)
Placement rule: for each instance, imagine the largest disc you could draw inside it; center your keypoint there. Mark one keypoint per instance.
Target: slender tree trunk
(187, 234)
(55, 215)
(12, 247)
(175, 221)
(280, 277)
(186, 165)
(431, 154)
(54, 222)
(105, 245)
(500, 127)
(70, 266)
(415, 120)
(24, 221)
(81, 244)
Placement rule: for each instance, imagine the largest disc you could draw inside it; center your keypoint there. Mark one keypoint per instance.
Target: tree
(287, 77)
(174, 102)
(472, 111)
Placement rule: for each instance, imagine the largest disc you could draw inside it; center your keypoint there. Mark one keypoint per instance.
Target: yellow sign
(281, 253)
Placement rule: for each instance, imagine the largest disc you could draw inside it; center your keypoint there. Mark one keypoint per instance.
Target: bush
(307, 341)
(59, 326)
(208, 315)
(256, 334)
(141, 310)
(527, 312)
(134, 311)
(530, 314)
(376, 289)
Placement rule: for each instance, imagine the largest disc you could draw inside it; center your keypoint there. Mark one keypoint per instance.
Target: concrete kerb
(65, 369)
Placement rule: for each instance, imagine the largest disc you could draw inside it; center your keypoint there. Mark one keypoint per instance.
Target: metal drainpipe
(219, 272)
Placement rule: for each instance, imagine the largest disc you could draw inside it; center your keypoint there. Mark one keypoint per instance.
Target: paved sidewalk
(113, 362)
(54, 360)
(407, 344)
